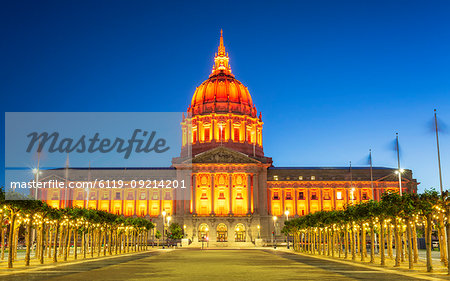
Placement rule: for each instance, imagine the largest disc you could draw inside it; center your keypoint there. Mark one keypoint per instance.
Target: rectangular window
(221, 195)
(301, 195)
(288, 196)
(313, 178)
(339, 195)
(206, 134)
(365, 196)
(275, 178)
(105, 196)
(275, 196)
(194, 136)
(313, 195)
(222, 133)
(143, 196)
(204, 195)
(326, 195)
(117, 196)
(249, 136)
(236, 134)
(300, 178)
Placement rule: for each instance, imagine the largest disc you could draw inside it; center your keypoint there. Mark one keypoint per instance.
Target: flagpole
(399, 170)
(371, 174)
(351, 183)
(88, 188)
(438, 152)
(67, 180)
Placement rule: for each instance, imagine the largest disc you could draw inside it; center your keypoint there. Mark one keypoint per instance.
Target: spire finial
(221, 59)
(221, 46)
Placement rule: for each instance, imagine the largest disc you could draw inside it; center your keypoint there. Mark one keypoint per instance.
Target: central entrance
(222, 233)
(239, 233)
(203, 232)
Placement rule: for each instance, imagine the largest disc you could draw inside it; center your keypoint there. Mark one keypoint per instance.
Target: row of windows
(235, 138)
(326, 195)
(222, 195)
(118, 196)
(299, 178)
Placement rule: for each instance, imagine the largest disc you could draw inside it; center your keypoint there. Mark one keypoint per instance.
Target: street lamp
(399, 173)
(287, 235)
(259, 231)
(184, 231)
(164, 225)
(168, 225)
(274, 231)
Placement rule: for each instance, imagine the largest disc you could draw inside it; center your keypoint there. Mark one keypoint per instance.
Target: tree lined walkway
(381, 232)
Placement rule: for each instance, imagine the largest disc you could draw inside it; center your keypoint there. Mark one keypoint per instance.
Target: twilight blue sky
(332, 78)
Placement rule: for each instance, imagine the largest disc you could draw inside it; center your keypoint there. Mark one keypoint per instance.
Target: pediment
(222, 154)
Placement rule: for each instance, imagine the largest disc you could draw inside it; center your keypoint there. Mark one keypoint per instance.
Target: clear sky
(331, 78)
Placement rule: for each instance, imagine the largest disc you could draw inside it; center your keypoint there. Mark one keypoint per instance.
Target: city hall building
(235, 190)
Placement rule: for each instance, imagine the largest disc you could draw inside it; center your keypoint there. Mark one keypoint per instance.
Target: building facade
(234, 190)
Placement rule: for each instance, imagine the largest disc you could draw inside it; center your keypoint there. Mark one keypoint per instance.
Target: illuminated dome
(222, 114)
(221, 92)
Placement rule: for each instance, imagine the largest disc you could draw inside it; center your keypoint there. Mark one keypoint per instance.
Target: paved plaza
(210, 264)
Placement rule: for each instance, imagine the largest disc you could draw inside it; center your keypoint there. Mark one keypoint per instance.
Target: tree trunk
(361, 235)
(416, 250)
(403, 244)
(346, 242)
(55, 250)
(398, 243)
(428, 242)
(372, 241)
(75, 243)
(67, 243)
(408, 235)
(28, 239)
(382, 256)
(60, 244)
(41, 242)
(110, 244)
(352, 241)
(3, 242)
(389, 246)
(83, 241)
(49, 252)
(99, 242)
(442, 244)
(10, 239)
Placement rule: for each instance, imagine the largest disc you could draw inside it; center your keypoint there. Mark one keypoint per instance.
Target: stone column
(212, 194)
(321, 198)
(295, 202)
(255, 194)
(194, 194)
(249, 194)
(308, 197)
(230, 193)
(135, 202)
(160, 201)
